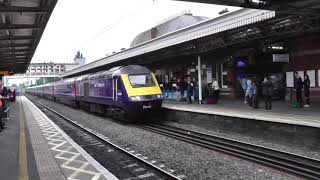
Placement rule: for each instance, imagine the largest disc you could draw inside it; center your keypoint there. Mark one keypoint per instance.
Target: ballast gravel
(189, 161)
(266, 141)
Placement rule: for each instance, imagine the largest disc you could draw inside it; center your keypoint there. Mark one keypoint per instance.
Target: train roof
(131, 69)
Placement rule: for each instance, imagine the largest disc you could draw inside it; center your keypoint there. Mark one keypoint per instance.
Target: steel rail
(164, 173)
(293, 163)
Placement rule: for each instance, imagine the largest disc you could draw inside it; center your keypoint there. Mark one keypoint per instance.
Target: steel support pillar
(199, 80)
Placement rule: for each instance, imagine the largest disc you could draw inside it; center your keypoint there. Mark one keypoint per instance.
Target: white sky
(99, 27)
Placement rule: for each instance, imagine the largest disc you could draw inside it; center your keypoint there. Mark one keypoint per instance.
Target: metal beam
(13, 56)
(9, 46)
(5, 51)
(263, 4)
(14, 60)
(18, 26)
(18, 9)
(5, 38)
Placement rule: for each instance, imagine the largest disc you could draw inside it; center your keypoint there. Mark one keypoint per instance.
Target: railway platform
(34, 147)
(282, 112)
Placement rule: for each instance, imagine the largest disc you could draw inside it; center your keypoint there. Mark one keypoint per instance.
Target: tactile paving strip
(55, 151)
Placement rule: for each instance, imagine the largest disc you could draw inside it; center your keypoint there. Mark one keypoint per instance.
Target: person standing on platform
(216, 89)
(195, 89)
(184, 88)
(178, 89)
(14, 94)
(298, 85)
(244, 84)
(189, 90)
(2, 125)
(267, 92)
(306, 86)
(5, 101)
(250, 93)
(254, 101)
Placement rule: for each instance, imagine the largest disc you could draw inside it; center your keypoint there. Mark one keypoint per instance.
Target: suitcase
(211, 101)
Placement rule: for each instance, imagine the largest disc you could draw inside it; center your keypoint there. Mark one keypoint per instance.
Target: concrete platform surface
(33, 147)
(282, 112)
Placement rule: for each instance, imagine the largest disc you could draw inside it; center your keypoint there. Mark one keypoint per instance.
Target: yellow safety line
(23, 165)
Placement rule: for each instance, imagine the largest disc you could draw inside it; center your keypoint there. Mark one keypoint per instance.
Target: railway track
(121, 162)
(299, 165)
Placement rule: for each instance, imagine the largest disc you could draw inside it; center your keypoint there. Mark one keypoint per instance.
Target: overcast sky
(99, 27)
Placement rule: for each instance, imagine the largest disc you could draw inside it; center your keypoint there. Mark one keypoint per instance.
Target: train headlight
(135, 98)
(159, 96)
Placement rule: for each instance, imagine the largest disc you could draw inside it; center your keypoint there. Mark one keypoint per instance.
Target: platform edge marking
(219, 113)
(23, 162)
(90, 159)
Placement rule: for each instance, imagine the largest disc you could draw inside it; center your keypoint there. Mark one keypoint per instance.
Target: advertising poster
(312, 77)
(289, 79)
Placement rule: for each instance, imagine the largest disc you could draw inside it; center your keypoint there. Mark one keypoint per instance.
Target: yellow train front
(140, 92)
(124, 93)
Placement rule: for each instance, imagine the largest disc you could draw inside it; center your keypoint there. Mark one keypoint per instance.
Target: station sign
(280, 57)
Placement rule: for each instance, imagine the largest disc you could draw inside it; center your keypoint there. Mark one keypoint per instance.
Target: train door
(86, 89)
(116, 88)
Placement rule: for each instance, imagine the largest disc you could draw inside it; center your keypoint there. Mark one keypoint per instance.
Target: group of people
(298, 86)
(190, 87)
(187, 89)
(251, 91)
(5, 97)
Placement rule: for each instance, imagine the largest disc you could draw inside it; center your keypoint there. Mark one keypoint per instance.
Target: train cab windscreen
(141, 80)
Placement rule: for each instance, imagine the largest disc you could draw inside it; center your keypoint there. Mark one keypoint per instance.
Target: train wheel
(122, 115)
(77, 104)
(108, 112)
(115, 114)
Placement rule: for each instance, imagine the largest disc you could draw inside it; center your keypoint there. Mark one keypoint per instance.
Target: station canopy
(276, 5)
(22, 23)
(232, 31)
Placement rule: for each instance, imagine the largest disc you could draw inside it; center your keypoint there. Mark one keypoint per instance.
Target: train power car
(122, 92)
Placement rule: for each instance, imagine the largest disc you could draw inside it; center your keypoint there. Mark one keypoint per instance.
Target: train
(124, 93)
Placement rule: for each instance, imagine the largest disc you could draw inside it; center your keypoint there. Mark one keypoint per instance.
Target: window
(141, 80)
(119, 84)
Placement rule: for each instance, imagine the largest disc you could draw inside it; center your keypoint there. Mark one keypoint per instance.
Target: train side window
(119, 84)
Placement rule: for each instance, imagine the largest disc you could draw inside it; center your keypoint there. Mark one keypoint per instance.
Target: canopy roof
(22, 23)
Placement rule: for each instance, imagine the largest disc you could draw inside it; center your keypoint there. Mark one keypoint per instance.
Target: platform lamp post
(199, 79)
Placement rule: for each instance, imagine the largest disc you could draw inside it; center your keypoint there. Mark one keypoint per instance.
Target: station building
(49, 68)
(277, 59)
(248, 43)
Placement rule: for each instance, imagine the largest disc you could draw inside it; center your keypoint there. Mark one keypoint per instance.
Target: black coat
(298, 85)
(267, 88)
(190, 88)
(306, 86)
